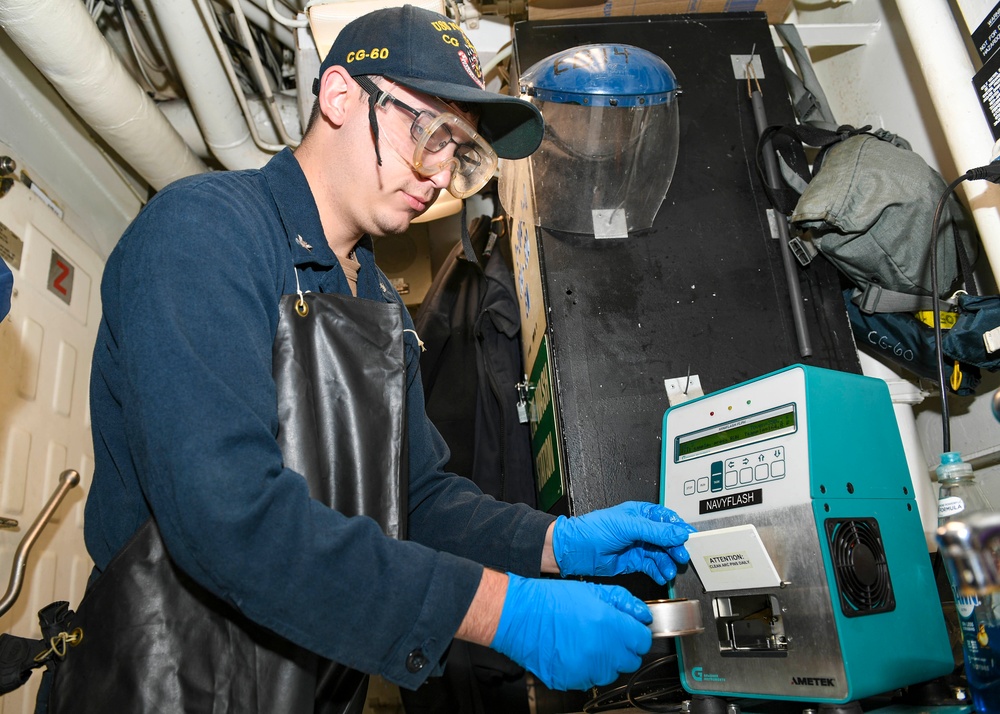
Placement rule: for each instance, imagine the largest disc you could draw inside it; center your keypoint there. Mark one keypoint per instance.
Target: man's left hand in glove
(632, 537)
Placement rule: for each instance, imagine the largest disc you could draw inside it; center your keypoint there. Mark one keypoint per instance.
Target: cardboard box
(777, 10)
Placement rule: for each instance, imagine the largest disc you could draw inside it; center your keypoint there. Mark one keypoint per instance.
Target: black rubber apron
(154, 641)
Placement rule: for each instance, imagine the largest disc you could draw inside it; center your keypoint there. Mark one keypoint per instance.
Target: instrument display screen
(739, 432)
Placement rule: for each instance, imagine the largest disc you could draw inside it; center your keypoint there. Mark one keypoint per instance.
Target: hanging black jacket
(470, 323)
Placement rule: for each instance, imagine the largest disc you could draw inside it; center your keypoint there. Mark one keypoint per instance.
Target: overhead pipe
(255, 16)
(948, 71)
(179, 114)
(61, 39)
(270, 102)
(201, 71)
(286, 21)
(207, 13)
(263, 20)
(137, 12)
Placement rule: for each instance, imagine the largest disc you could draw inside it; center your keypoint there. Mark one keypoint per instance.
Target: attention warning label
(728, 561)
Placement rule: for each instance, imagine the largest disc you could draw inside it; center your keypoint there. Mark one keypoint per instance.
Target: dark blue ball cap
(428, 52)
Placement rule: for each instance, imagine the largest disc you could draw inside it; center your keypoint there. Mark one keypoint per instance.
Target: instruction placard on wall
(987, 84)
(11, 247)
(982, 18)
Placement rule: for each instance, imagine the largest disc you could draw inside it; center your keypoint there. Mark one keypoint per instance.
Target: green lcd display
(752, 429)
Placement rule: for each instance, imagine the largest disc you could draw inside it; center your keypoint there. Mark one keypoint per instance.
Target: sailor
(269, 518)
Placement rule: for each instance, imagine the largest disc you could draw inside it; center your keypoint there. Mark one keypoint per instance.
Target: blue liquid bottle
(979, 616)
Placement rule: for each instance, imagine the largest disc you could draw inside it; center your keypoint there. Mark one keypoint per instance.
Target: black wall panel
(703, 292)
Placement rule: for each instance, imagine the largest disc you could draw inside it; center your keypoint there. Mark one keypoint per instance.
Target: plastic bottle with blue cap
(979, 616)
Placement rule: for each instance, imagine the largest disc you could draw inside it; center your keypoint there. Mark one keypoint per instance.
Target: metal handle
(67, 480)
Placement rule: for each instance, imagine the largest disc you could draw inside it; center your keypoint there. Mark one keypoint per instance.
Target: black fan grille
(860, 566)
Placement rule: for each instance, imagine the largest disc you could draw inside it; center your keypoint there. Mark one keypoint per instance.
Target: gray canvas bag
(869, 209)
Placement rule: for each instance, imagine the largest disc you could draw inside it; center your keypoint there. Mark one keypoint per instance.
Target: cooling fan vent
(860, 566)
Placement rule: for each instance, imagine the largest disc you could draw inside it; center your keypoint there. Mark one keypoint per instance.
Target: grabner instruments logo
(700, 675)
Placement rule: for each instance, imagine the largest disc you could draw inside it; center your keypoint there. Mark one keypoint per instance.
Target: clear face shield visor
(612, 133)
(432, 138)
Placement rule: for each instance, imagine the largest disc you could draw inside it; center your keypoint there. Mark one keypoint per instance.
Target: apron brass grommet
(301, 307)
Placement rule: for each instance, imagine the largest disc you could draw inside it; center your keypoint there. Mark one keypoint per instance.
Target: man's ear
(335, 94)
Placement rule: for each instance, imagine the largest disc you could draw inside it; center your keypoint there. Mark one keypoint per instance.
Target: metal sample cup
(675, 618)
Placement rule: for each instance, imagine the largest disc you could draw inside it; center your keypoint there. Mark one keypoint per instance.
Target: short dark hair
(312, 116)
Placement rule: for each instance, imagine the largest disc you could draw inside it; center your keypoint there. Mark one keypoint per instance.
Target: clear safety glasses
(433, 140)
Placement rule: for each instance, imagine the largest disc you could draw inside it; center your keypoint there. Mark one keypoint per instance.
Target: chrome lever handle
(67, 480)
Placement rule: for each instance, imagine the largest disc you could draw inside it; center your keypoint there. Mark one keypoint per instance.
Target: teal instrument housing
(813, 459)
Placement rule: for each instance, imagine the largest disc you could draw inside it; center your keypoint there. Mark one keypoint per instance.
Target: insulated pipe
(209, 92)
(270, 103)
(254, 14)
(947, 70)
(178, 113)
(264, 21)
(905, 395)
(140, 11)
(60, 38)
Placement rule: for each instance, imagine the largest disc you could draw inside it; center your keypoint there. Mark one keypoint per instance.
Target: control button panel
(739, 471)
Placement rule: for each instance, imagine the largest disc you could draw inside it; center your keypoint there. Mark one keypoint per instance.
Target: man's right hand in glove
(569, 634)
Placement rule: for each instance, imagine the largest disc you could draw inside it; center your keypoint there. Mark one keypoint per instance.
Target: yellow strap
(948, 318)
(956, 377)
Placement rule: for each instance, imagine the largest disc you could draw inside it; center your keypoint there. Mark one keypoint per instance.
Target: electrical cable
(141, 53)
(142, 59)
(640, 694)
(990, 172)
(265, 49)
(938, 350)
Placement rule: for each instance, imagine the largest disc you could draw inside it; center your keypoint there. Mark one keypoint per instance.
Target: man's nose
(442, 178)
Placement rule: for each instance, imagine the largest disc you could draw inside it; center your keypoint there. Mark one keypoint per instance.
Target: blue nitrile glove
(632, 537)
(570, 634)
